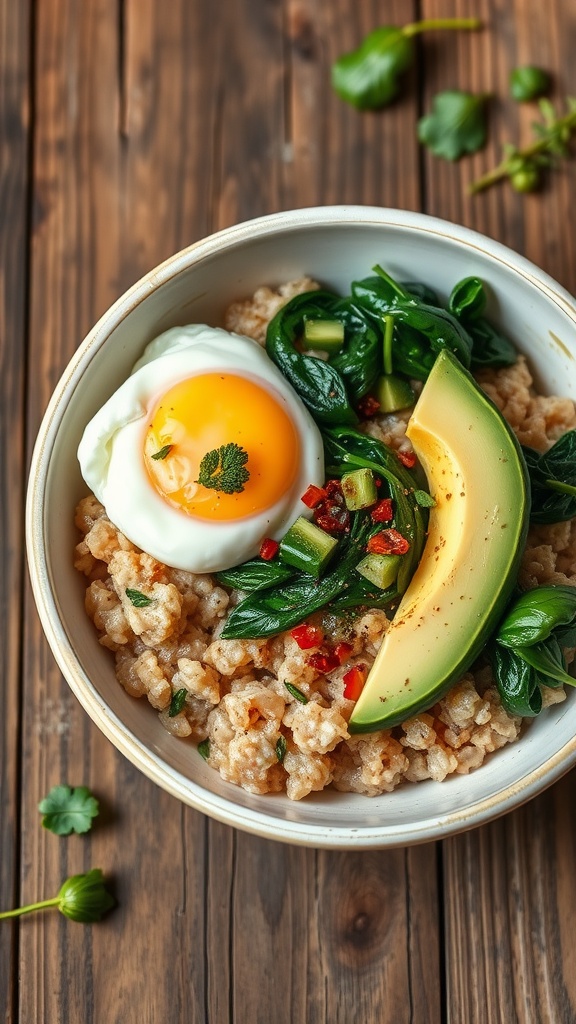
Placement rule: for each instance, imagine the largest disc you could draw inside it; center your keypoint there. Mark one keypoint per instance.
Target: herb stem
(43, 905)
(559, 485)
(430, 24)
(568, 122)
(388, 336)
(400, 292)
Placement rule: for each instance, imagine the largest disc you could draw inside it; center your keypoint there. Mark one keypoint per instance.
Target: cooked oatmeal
(235, 690)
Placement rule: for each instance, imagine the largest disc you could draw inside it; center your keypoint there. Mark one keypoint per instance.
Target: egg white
(112, 463)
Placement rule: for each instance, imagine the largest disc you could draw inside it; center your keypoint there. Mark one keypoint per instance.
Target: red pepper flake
(368, 406)
(342, 651)
(383, 512)
(407, 458)
(388, 542)
(268, 549)
(307, 636)
(332, 517)
(334, 490)
(354, 682)
(323, 662)
(313, 496)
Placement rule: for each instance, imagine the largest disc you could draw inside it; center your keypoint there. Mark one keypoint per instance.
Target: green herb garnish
(204, 749)
(528, 83)
(424, 499)
(368, 77)
(524, 167)
(222, 469)
(81, 898)
(177, 703)
(296, 693)
(281, 747)
(553, 481)
(456, 125)
(138, 599)
(163, 452)
(68, 809)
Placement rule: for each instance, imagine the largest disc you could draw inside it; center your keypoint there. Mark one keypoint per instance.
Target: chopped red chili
(342, 651)
(383, 512)
(307, 636)
(388, 542)
(313, 496)
(354, 682)
(323, 662)
(268, 549)
(368, 406)
(407, 458)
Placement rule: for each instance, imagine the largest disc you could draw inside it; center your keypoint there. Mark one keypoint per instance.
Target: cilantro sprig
(223, 469)
(66, 810)
(524, 167)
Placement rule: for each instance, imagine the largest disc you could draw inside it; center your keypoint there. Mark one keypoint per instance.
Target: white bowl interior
(335, 246)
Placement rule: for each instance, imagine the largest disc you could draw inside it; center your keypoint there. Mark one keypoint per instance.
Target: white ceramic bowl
(335, 245)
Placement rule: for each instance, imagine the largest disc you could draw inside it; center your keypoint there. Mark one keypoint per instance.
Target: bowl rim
(222, 809)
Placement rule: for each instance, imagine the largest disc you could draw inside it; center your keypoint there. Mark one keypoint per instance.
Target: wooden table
(129, 129)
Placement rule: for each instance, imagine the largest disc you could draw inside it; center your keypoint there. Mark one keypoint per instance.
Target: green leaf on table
(456, 124)
(66, 810)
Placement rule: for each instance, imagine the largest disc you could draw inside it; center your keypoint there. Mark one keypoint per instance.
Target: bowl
(334, 245)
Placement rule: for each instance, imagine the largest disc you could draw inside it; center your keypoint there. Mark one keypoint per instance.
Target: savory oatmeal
(268, 714)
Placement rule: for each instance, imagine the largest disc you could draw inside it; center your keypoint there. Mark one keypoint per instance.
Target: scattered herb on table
(528, 83)
(456, 124)
(81, 898)
(368, 77)
(524, 167)
(66, 810)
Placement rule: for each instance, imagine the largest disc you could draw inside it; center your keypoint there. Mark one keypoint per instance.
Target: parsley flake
(281, 748)
(204, 749)
(296, 693)
(424, 499)
(138, 599)
(222, 469)
(177, 703)
(67, 810)
(163, 452)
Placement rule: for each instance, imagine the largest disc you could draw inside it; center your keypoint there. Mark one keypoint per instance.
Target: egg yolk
(205, 412)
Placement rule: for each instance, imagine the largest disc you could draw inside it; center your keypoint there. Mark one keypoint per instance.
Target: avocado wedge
(477, 476)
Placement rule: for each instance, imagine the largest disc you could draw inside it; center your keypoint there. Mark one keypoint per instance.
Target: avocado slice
(477, 476)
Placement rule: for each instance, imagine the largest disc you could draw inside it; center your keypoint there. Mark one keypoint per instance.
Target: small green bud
(84, 897)
(526, 178)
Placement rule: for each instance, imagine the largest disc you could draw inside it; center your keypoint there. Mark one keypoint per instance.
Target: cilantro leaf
(67, 810)
(456, 125)
(222, 469)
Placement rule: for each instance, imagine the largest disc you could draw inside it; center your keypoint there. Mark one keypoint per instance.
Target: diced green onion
(381, 570)
(393, 393)
(307, 547)
(326, 335)
(359, 489)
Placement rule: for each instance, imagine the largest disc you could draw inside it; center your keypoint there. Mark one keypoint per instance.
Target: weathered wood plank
(14, 184)
(508, 898)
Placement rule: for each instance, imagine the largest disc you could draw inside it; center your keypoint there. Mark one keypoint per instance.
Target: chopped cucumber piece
(359, 489)
(307, 547)
(381, 570)
(326, 335)
(393, 393)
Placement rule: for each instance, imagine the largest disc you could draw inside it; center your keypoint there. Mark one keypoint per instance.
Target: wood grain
(155, 124)
(14, 184)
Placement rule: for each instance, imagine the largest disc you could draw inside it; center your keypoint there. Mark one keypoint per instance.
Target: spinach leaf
(467, 299)
(265, 613)
(489, 347)
(256, 574)
(553, 481)
(533, 615)
(548, 660)
(329, 388)
(517, 683)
